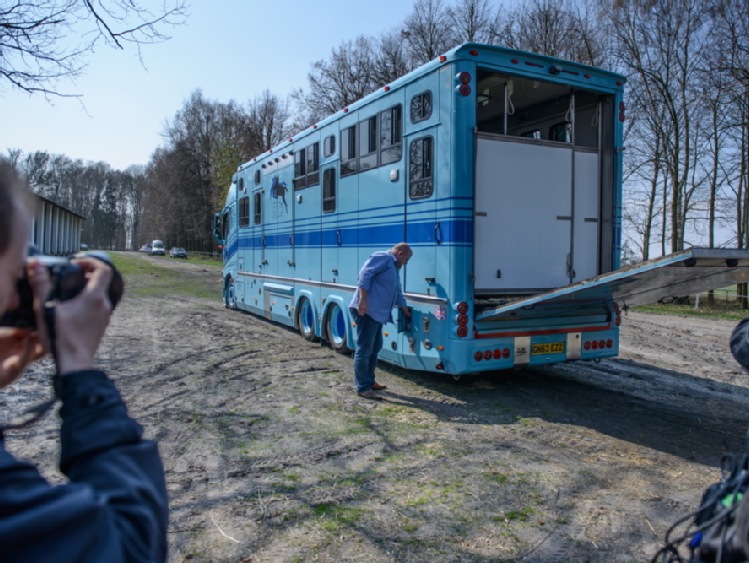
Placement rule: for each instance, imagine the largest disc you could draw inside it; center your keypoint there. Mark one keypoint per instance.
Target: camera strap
(33, 414)
(49, 322)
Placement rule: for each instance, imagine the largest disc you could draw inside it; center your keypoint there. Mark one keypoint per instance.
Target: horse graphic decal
(278, 191)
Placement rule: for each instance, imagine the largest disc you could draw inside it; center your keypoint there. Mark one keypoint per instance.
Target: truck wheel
(336, 329)
(229, 301)
(307, 320)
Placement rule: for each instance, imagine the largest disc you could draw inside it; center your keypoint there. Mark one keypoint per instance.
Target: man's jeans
(368, 345)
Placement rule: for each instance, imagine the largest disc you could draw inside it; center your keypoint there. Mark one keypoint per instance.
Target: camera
(68, 280)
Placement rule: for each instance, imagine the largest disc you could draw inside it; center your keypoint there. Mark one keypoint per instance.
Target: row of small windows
(420, 177)
(244, 210)
(307, 167)
(375, 141)
(328, 201)
(257, 180)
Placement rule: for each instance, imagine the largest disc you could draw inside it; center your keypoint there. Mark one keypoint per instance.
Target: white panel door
(522, 216)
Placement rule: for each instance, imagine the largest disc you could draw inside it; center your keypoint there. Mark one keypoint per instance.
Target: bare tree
(247, 132)
(556, 28)
(729, 65)
(391, 59)
(267, 122)
(642, 179)
(334, 84)
(194, 136)
(659, 44)
(36, 50)
(473, 21)
(428, 31)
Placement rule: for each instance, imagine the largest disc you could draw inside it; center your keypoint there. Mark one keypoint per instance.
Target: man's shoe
(370, 395)
(378, 387)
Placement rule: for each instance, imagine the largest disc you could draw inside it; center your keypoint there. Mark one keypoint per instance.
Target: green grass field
(144, 278)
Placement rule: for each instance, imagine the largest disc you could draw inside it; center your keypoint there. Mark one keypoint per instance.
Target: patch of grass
(389, 456)
(527, 422)
(144, 278)
(359, 425)
(496, 476)
(410, 528)
(720, 311)
(432, 449)
(389, 411)
(206, 261)
(424, 499)
(521, 515)
(356, 480)
(332, 517)
(292, 477)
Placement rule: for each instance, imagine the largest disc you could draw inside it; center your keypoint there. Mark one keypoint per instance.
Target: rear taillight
(463, 83)
(462, 319)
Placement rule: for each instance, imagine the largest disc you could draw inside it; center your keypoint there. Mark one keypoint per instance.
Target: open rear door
(684, 273)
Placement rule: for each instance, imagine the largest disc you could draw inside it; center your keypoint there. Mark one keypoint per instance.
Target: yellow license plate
(548, 348)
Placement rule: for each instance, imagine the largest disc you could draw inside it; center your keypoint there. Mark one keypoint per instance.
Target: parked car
(178, 252)
(84, 247)
(157, 248)
(146, 248)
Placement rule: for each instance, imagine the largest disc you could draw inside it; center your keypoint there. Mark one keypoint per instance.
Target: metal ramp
(663, 279)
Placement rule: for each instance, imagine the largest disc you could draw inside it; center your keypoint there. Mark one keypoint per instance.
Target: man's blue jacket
(114, 507)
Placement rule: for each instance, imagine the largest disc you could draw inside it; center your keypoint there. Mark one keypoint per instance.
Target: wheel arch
(308, 295)
(325, 317)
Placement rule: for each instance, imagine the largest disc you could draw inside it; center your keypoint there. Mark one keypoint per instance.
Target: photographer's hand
(79, 322)
(18, 348)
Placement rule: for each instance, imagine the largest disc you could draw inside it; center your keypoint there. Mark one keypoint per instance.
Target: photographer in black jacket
(114, 505)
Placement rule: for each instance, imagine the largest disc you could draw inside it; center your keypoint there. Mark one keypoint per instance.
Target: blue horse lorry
(503, 171)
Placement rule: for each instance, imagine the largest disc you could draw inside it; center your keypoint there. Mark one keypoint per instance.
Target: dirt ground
(270, 455)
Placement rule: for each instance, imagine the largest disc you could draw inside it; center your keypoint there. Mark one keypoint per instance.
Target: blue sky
(230, 49)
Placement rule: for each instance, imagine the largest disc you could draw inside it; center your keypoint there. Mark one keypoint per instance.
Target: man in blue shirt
(378, 291)
(114, 505)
